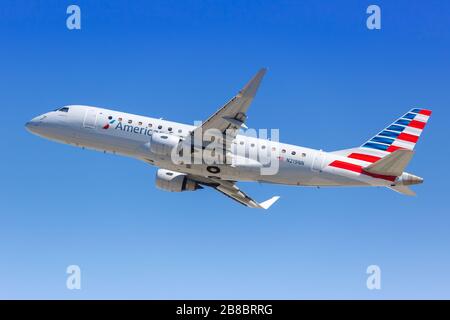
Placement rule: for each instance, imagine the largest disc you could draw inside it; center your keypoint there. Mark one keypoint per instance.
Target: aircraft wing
(231, 190)
(231, 117)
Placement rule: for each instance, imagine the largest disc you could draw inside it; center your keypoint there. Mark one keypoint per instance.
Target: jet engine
(163, 144)
(174, 181)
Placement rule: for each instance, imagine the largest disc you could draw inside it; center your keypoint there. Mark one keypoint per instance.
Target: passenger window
(241, 143)
(180, 131)
(140, 123)
(170, 129)
(120, 119)
(130, 121)
(293, 153)
(252, 145)
(149, 125)
(109, 118)
(283, 150)
(159, 127)
(274, 149)
(263, 147)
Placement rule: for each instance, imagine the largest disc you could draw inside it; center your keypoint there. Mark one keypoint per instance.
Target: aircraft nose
(33, 124)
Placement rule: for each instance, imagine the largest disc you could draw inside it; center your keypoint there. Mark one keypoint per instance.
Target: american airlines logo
(106, 126)
(129, 128)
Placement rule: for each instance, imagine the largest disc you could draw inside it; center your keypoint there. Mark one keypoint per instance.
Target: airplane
(380, 161)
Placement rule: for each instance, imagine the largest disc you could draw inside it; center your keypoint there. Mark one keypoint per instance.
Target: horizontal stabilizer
(391, 165)
(403, 190)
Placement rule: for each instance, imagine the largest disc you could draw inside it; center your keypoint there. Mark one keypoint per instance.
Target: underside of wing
(231, 190)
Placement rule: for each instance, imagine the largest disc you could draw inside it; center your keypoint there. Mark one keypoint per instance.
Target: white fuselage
(130, 135)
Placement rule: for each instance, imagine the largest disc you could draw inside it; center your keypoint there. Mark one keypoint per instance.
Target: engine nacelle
(174, 181)
(163, 144)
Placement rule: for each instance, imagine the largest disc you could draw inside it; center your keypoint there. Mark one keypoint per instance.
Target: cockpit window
(63, 109)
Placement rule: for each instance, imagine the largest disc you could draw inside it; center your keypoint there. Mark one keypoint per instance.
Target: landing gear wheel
(213, 169)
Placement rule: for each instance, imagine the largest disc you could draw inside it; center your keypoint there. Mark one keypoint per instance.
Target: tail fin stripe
(404, 144)
(417, 124)
(409, 116)
(382, 140)
(364, 157)
(413, 131)
(391, 134)
(378, 146)
(401, 134)
(393, 148)
(403, 122)
(425, 112)
(422, 111)
(408, 137)
(421, 117)
(396, 128)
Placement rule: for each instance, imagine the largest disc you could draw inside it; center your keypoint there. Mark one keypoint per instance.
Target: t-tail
(388, 153)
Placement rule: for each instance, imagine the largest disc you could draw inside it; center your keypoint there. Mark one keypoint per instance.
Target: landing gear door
(90, 118)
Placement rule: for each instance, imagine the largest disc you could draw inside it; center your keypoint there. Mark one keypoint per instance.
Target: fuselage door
(318, 161)
(90, 118)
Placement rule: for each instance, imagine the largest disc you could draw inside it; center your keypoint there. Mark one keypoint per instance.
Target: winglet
(266, 204)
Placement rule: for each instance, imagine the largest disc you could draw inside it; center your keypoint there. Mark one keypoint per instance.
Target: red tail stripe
(355, 168)
(393, 148)
(417, 124)
(425, 112)
(346, 166)
(364, 157)
(408, 137)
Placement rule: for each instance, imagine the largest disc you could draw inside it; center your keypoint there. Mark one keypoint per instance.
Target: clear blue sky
(331, 84)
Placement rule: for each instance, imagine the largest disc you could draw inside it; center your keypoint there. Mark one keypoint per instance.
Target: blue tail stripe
(396, 128)
(403, 122)
(376, 146)
(409, 115)
(382, 140)
(391, 134)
